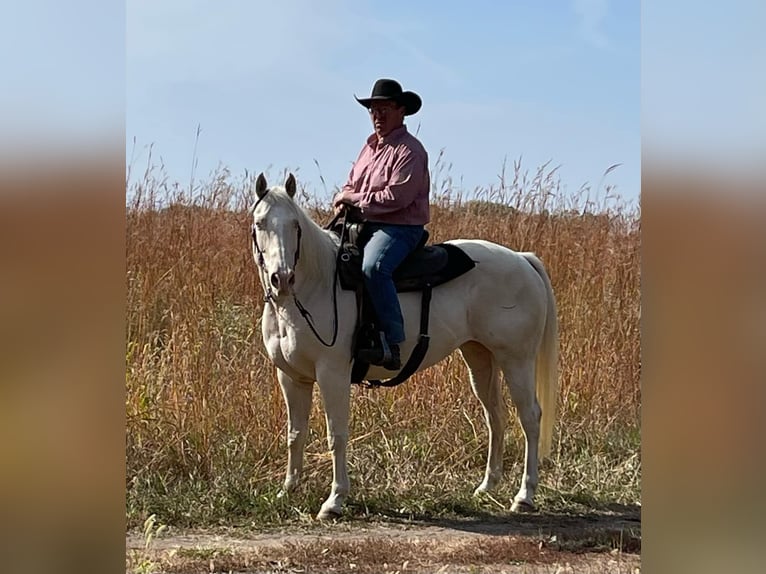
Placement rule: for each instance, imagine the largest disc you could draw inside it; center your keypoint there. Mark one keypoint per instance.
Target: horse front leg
(336, 393)
(297, 397)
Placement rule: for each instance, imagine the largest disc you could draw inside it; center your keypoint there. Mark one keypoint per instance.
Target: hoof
(325, 514)
(485, 487)
(522, 506)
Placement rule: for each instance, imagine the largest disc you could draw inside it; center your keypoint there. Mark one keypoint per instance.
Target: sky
(63, 76)
(585, 84)
(271, 87)
(703, 84)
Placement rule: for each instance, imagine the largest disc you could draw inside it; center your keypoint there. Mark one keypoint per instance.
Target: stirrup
(384, 356)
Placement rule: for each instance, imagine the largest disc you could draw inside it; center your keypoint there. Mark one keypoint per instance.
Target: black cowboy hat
(385, 89)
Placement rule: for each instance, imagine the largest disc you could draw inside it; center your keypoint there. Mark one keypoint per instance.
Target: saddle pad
(434, 265)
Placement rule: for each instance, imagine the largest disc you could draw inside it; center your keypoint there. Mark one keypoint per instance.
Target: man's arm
(348, 193)
(405, 185)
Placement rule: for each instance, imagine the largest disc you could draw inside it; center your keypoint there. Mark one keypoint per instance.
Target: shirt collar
(390, 139)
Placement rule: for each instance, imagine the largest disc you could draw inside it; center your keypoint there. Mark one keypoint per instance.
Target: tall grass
(205, 418)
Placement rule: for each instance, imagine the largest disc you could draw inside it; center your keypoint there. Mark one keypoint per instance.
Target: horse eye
(259, 224)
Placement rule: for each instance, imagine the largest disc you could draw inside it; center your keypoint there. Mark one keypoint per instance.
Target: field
(206, 421)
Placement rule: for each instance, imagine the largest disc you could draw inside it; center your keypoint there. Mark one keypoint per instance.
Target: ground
(597, 543)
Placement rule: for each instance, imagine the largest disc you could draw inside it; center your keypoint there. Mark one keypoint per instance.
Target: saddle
(425, 268)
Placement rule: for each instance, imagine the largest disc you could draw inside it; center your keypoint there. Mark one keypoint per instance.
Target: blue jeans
(387, 247)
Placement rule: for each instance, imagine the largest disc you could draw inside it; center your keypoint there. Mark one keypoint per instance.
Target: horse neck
(316, 266)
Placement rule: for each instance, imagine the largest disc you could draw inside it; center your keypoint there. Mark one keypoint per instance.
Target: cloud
(591, 15)
(416, 57)
(205, 41)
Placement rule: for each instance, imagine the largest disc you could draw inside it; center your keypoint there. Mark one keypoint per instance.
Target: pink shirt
(389, 181)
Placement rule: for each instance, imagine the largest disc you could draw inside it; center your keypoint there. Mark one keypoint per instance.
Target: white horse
(501, 315)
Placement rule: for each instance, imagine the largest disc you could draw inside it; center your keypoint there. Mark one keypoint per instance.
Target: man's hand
(341, 201)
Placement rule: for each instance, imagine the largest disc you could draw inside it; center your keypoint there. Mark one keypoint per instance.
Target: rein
(305, 313)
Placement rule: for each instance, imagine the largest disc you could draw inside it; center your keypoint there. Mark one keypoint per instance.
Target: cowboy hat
(385, 89)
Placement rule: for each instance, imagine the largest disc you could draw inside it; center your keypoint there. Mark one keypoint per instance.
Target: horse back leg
(485, 382)
(520, 378)
(297, 397)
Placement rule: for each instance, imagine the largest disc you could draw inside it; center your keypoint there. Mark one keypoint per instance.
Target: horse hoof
(328, 514)
(522, 506)
(486, 487)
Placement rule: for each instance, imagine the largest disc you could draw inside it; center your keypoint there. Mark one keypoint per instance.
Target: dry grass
(205, 418)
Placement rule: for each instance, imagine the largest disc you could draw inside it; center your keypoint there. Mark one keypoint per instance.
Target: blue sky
(272, 83)
(63, 75)
(703, 84)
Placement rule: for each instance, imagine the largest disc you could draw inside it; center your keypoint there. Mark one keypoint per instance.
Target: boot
(386, 356)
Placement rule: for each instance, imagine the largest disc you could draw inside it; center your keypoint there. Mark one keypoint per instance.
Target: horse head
(276, 236)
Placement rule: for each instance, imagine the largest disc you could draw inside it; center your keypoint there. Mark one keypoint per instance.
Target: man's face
(386, 116)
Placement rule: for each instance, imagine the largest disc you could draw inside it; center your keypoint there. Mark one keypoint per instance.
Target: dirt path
(539, 543)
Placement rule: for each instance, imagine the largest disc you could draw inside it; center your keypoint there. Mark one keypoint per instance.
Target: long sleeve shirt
(389, 181)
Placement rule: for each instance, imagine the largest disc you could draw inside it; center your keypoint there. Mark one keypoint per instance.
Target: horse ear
(260, 186)
(290, 185)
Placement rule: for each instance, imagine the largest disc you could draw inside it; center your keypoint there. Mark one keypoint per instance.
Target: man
(389, 183)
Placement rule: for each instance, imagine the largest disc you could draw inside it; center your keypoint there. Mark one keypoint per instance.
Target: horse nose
(281, 281)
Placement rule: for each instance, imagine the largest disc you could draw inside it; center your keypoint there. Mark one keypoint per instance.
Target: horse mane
(318, 246)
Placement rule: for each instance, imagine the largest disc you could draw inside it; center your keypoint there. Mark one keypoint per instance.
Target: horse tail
(546, 368)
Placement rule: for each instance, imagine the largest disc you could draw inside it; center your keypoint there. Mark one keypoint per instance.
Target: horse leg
(485, 383)
(298, 401)
(336, 396)
(520, 378)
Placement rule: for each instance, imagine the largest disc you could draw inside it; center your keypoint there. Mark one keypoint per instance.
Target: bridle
(269, 297)
(262, 260)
